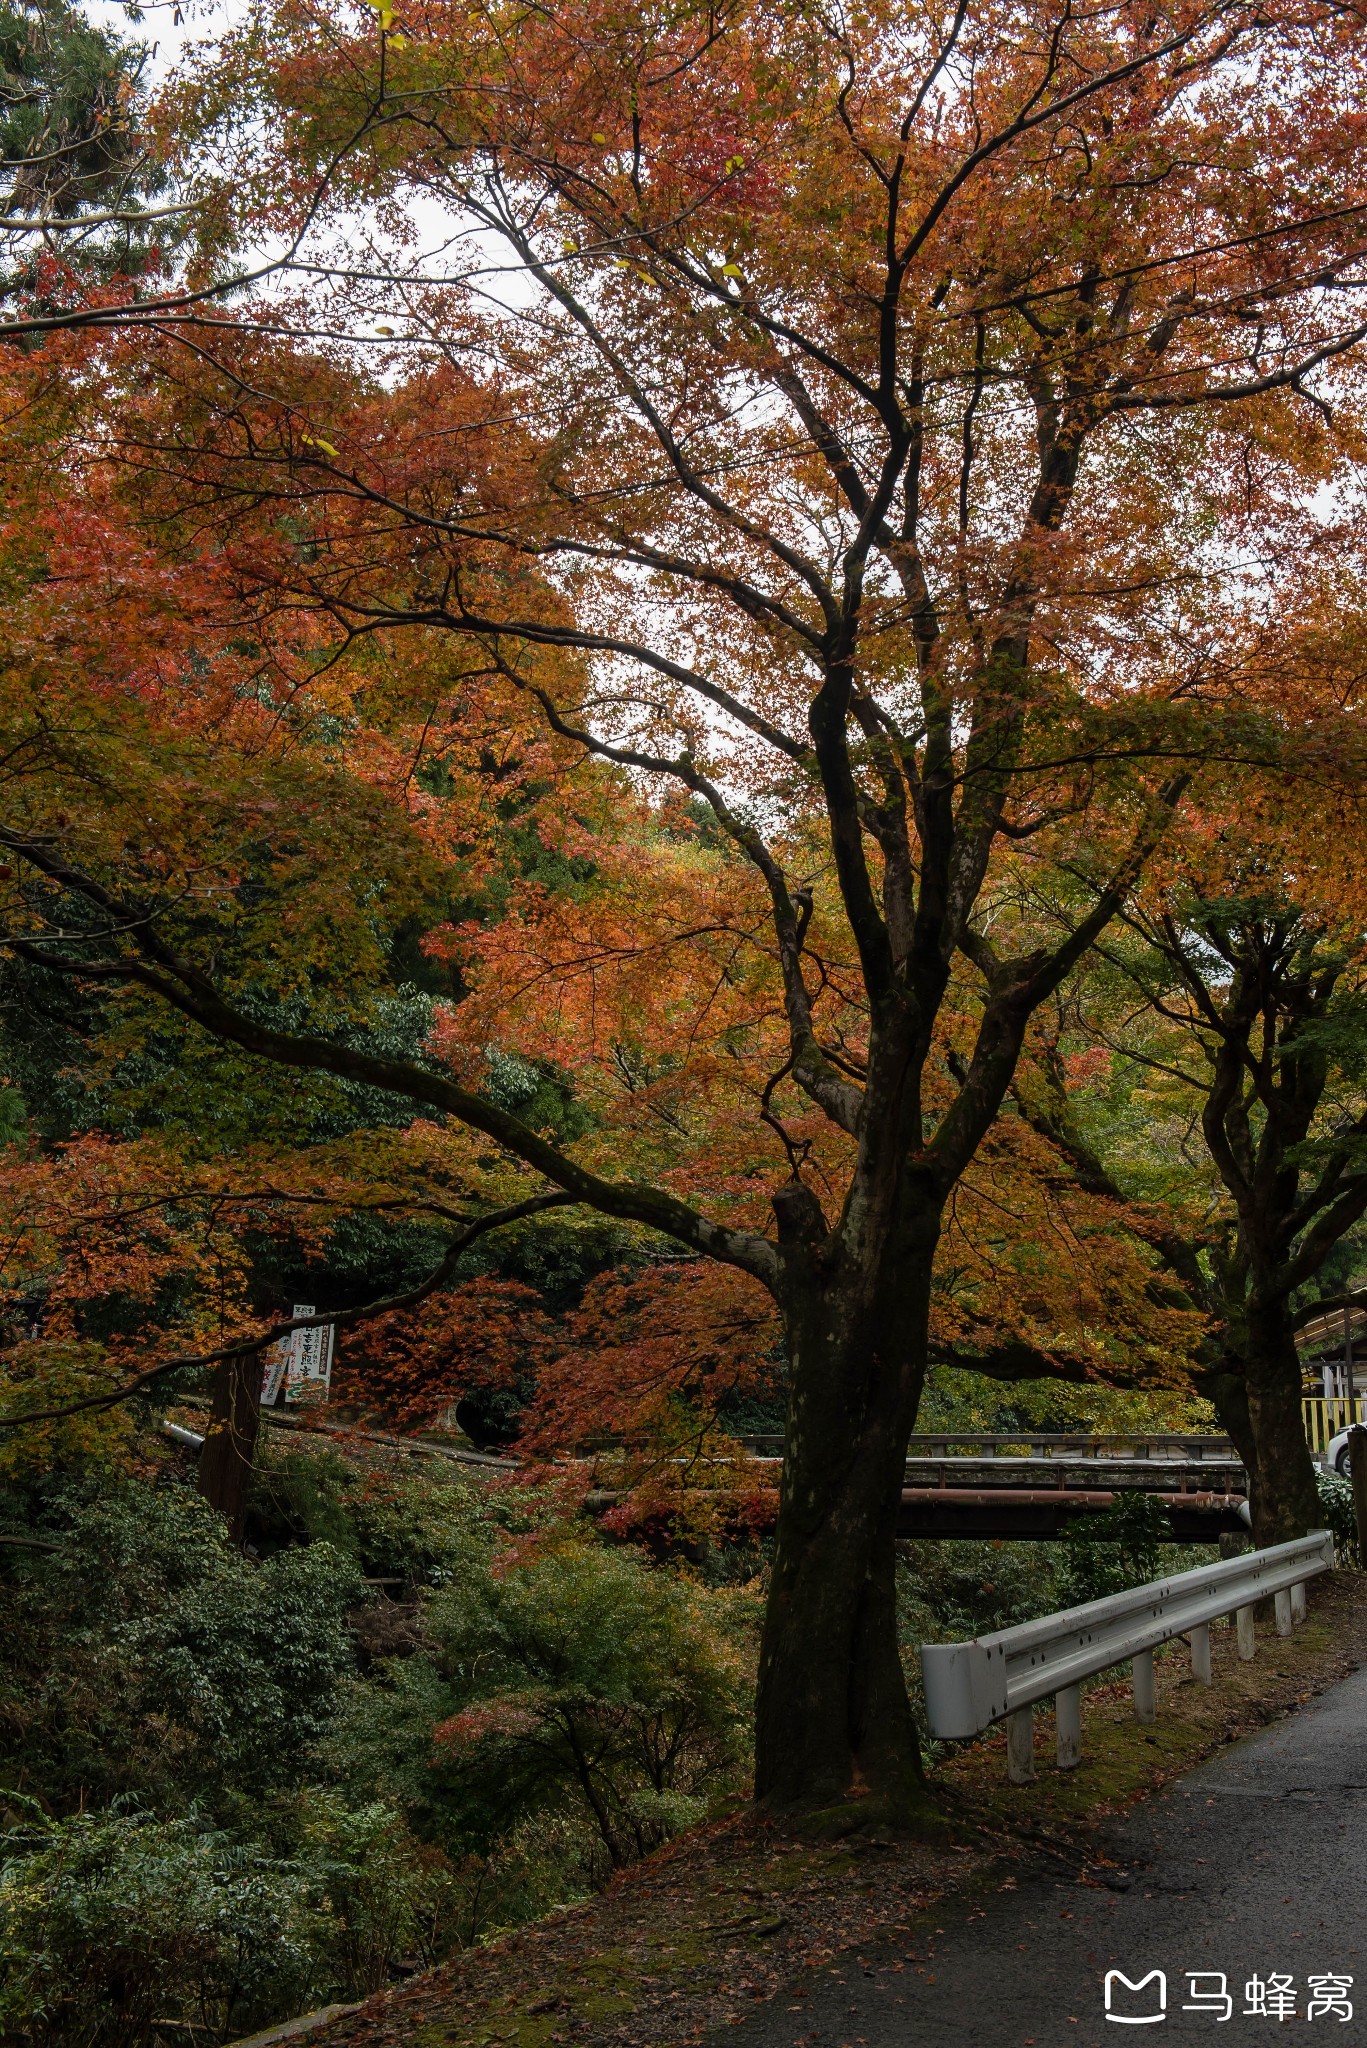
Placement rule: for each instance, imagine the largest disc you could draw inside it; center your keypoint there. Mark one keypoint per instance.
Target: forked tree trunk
(225, 1463)
(833, 1721)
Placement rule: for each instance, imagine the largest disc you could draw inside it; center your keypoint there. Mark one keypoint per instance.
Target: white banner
(276, 1366)
(308, 1374)
(301, 1362)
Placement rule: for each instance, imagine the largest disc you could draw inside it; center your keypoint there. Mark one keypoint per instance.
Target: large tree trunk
(1285, 1502)
(1226, 1388)
(225, 1463)
(833, 1721)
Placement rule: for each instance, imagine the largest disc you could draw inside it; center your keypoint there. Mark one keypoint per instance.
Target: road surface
(1240, 1883)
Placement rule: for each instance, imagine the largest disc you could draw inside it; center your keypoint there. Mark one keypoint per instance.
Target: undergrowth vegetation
(419, 1708)
(414, 1712)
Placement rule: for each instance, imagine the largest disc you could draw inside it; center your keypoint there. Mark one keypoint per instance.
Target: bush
(1338, 1513)
(416, 1523)
(115, 1926)
(394, 1903)
(1121, 1546)
(951, 1590)
(213, 1751)
(579, 1685)
(148, 1655)
(110, 1922)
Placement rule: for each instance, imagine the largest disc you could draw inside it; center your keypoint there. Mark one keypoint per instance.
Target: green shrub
(581, 1684)
(1337, 1512)
(418, 1523)
(147, 1656)
(116, 1926)
(1121, 1546)
(203, 1723)
(951, 1590)
(110, 1922)
(393, 1903)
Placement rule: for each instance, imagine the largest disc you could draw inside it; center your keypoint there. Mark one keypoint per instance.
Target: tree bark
(1284, 1497)
(225, 1463)
(834, 1725)
(1226, 1388)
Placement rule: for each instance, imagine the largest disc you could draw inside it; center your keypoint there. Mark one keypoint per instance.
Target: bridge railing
(1046, 1444)
(1002, 1676)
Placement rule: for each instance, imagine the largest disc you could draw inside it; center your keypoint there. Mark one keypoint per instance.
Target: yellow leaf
(732, 270)
(317, 441)
(601, 140)
(398, 42)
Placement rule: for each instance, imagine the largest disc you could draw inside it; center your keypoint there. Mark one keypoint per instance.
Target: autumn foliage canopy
(613, 701)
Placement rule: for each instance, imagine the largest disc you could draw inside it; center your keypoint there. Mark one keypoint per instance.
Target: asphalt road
(1251, 1871)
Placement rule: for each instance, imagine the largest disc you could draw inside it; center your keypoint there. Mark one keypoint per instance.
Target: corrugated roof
(1326, 1332)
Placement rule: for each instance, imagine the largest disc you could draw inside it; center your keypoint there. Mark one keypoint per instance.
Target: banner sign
(308, 1376)
(302, 1362)
(277, 1364)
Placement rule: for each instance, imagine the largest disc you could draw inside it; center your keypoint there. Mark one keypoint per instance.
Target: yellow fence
(1324, 1419)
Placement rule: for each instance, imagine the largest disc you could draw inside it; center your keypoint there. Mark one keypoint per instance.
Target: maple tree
(853, 448)
(1249, 1027)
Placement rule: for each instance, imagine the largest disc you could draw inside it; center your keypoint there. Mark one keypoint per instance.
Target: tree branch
(243, 1347)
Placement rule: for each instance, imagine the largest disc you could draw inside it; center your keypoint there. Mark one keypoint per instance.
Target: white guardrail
(970, 1685)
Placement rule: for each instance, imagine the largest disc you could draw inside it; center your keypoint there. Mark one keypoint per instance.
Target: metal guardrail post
(1145, 1690)
(1200, 1654)
(1282, 1605)
(1247, 1633)
(1068, 1727)
(1298, 1606)
(1020, 1746)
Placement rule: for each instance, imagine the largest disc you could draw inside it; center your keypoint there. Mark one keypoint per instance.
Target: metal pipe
(183, 1436)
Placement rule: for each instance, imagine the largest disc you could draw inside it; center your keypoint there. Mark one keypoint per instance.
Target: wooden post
(225, 1463)
(1068, 1727)
(1200, 1654)
(1145, 1692)
(1020, 1746)
(1357, 1472)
